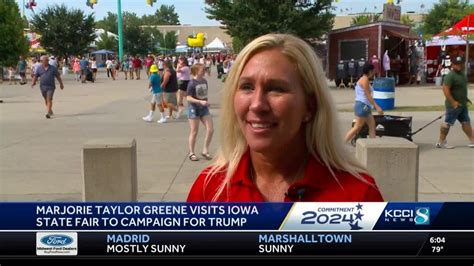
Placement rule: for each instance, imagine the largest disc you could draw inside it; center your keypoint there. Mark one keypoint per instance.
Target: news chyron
(159, 230)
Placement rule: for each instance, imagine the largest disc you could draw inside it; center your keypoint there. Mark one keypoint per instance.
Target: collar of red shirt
(314, 177)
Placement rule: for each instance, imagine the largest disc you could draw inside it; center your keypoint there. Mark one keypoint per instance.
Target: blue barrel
(384, 93)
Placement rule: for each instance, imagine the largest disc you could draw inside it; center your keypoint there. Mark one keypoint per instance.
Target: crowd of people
(172, 80)
(270, 105)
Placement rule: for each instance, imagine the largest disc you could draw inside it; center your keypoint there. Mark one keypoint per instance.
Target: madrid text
(139, 244)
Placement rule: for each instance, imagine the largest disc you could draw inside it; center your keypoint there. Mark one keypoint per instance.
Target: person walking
(198, 111)
(126, 66)
(21, 69)
(94, 68)
(76, 67)
(455, 91)
(183, 74)
(137, 66)
(170, 88)
(47, 73)
(84, 68)
(110, 68)
(156, 99)
(364, 101)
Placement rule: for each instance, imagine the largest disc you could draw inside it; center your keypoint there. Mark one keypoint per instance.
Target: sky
(192, 11)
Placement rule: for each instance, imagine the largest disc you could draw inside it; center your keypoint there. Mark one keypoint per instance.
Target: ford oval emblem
(56, 240)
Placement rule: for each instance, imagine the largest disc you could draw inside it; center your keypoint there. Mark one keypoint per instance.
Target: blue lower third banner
(237, 216)
(236, 229)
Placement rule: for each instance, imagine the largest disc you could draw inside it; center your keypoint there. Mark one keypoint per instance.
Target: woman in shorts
(363, 104)
(198, 111)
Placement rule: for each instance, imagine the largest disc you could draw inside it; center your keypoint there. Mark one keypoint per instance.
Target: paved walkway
(40, 159)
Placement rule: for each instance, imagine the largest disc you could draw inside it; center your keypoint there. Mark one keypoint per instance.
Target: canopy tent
(103, 51)
(181, 48)
(101, 56)
(463, 27)
(456, 40)
(446, 40)
(98, 36)
(216, 45)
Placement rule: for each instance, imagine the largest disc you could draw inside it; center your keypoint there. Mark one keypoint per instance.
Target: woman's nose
(259, 101)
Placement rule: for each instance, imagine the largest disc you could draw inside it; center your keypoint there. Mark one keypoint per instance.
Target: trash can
(65, 70)
(384, 93)
(438, 81)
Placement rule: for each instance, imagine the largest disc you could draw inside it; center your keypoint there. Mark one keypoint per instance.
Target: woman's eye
(277, 89)
(246, 87)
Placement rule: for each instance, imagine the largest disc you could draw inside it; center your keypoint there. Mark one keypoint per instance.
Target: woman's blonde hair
(323, 139)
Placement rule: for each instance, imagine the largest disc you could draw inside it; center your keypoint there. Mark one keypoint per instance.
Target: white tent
(98, 33)
(446, 40)
(216, 45)
(181, 48)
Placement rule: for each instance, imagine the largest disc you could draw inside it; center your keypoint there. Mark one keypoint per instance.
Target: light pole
(466, 63)
(119, 29)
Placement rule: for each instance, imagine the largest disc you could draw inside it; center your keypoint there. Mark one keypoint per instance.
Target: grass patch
(429, 108)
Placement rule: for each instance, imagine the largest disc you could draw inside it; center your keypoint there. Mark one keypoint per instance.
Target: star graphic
(355, 226)
(358, 216)
(359, 206)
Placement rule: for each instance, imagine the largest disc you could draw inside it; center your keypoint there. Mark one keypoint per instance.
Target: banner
(242, 229)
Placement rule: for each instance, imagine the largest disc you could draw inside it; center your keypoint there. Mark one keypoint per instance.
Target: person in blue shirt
(156, 99)
(47, 75)
(84, 66)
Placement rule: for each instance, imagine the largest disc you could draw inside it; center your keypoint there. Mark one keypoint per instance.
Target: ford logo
(56, 240)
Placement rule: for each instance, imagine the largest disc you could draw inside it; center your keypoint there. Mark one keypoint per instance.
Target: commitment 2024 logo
(325, 215)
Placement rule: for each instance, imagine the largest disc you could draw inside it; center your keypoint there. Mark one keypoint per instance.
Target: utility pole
(119, 29)
(467, 46)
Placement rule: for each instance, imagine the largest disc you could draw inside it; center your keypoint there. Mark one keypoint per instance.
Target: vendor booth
(369, 43)
(101, 56)
(448, 44)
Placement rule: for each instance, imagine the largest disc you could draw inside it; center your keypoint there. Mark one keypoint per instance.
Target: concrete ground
(40, 159)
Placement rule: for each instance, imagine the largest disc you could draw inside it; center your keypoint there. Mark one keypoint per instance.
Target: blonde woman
(279, 137)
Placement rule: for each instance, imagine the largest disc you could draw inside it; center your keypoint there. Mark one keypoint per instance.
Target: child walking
(156, 99)
(198, 111)
(11, 75)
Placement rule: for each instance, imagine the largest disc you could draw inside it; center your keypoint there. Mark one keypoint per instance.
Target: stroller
(89, 76)
(391, 125)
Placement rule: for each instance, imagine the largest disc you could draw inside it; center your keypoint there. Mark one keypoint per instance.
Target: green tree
(406, 20)
(165, 15)
(161, 41)
(169, 40)
(365, 19)
(237, 44)
(64, 31)
(248, 19)
(107, 42)
(445, 14)
(135, 39)
(12, 41)
(109, 23)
